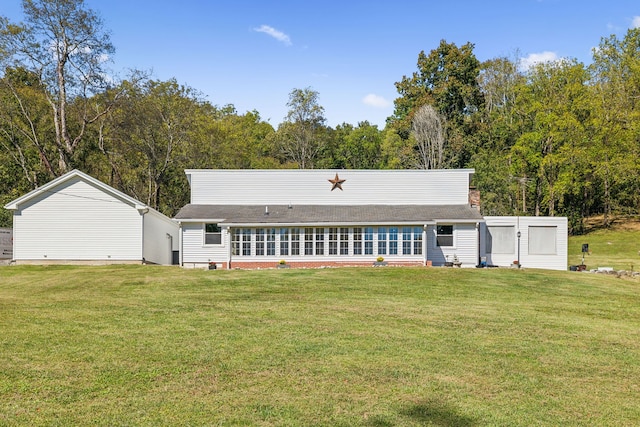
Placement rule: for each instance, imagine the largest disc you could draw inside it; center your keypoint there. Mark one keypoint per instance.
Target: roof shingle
(319, 214)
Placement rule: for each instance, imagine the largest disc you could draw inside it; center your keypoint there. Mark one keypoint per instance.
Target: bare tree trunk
(427, 129)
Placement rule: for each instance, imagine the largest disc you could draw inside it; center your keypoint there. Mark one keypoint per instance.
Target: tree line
(557, 138)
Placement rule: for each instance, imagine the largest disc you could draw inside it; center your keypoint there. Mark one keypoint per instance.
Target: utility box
(6, 243)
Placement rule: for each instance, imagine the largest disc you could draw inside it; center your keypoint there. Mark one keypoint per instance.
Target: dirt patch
(622, 223)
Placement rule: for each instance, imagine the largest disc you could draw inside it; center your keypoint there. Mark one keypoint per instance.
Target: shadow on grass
(437, 413)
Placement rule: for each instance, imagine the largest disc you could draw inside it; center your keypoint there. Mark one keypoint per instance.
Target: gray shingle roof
(333, 214)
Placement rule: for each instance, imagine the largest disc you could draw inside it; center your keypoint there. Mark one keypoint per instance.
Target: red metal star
(337, 182)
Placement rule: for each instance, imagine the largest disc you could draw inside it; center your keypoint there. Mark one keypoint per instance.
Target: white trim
(14, 205)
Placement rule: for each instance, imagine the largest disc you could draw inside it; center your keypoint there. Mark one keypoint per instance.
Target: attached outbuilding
(527, 241)
(77, 219)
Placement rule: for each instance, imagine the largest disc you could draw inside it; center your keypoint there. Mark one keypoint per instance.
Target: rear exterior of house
(304, 218)
(311, 218)
(78, 219)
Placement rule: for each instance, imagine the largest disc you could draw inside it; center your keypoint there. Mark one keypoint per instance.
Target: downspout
(229, 249)
(479, 254)
(143, 210)
(170, 238)
(424, 244)
(180, 244)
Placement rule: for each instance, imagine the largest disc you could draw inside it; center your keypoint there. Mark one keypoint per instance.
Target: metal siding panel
(433, 187)
(77, 221)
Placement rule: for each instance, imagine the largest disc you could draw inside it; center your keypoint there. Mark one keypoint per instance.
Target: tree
(25, 127)
(616, 92)
(554, 108)
(354, 147)
(63, 44)
(153, 123)
(447, 79)
(300, 134)
(427, 130)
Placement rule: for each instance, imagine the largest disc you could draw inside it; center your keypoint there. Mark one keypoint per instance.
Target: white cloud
(537, 58)
(276, 34)
(374, 100)
(635, 22)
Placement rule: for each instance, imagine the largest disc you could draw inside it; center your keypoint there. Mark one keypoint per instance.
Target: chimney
(474, 198)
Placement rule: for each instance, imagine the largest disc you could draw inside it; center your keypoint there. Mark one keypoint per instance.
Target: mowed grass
(617, 247)
(141, 345)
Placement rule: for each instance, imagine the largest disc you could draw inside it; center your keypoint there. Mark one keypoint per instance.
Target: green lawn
(617, 248)
(141, 345)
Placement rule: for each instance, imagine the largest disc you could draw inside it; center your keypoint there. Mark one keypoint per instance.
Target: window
(333, 241)
(246, 241)
(344, 241)
(284, 241)
(260, 241)
(542, 240)
(417, 240)
(212, 234)
(235, 241)
(406, 240)
(500, 240)
(308, 241)
(393, 240)
(444, 235)
(241, 241)
(319, 241)
(368, 241)
(295, 241)
(271, 241)
(357, 241)
(382, 240)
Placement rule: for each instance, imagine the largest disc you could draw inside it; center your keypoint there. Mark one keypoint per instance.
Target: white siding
(161, 237)
(195, 253)
(361, 187)
(465, 246)
(523, 224)
(77, 221)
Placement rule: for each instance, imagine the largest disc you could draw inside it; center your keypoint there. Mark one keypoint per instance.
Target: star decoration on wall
(337, 182)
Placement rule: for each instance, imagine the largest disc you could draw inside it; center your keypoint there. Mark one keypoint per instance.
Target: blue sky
(253, 53)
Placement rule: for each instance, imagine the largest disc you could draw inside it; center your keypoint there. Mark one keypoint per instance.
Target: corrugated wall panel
(431, 187)
(77, 221)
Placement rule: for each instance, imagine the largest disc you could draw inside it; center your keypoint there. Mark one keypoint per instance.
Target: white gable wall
(77, 221)
(361, 187)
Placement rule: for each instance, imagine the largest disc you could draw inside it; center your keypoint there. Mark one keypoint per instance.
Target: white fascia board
(195, 220)
(324, 224)
(458, 221)
(69, 175)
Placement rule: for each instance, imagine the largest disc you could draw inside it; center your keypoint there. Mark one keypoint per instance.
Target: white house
(255, 218)
(79, 219)
(258, 218)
